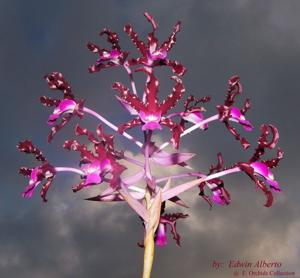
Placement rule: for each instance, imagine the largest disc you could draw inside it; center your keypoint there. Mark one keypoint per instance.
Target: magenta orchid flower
(37, 174)
(101, 166)
(152, 54)
(259, 170)
(165, 221)
(150, 111)
(97, 163)
(107, 58)
(65, 108)
(227, 112)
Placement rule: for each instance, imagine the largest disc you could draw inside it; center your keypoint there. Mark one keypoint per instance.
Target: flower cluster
(101, 164)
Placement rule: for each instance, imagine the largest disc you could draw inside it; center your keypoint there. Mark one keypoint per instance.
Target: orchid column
(102, 165)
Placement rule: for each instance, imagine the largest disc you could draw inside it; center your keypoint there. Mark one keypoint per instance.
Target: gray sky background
(69, 237)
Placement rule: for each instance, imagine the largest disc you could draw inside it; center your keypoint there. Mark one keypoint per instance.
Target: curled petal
(176, 67)
(272, 163)
(264, 142)
(234, 89)
(112, 37)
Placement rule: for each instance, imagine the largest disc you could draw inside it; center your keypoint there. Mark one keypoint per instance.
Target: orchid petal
(127, 106)
(167, 159)
(195, 118)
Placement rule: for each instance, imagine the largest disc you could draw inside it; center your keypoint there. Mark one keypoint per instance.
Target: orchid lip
(161, 237)
(151, 126)
(65, 106)
(263, 170)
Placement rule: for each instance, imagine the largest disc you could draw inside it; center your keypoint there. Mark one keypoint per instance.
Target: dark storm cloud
(69, 237)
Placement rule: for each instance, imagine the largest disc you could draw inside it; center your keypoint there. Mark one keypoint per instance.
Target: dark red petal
(45, 188)
(172, 99)
(140, 45)
(130, 98)
(151, 20)
(219, 166)
(234, 89)
(56, 128)
(263, 141)
(25, 171)
(245, 144)
(98, 67)
(203, 195)
(134, 122)
(272, 163)
(168, 44)
(176, 130)
(245, 167)
(84, 131)
(79, 186)
(108, 139)
(47, 101)
(246, 107)
(151, 89)
(117, 170)
(171, 219)
(56, 81)
(27, 147)
(176, 67)
(75, 146)
(112, 38)
(93, 47)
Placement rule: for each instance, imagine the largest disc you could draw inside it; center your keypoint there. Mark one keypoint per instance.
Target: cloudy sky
(70, 237)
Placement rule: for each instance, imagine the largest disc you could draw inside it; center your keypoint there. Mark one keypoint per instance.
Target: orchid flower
(104, 167)
(152, 55)
(165, 221)
(107, 58)
(65, 108)
(96, 163)
(150, 112)
(259, 170)
(37, 174)
(227, 112)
